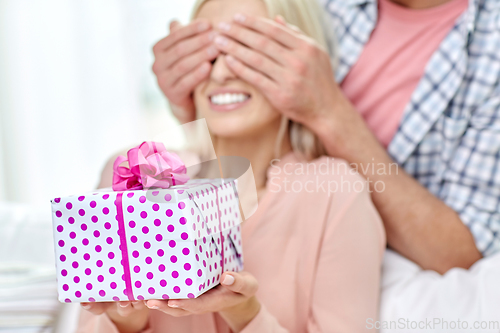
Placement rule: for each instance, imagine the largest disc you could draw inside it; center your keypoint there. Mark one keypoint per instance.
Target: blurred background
(76, 87)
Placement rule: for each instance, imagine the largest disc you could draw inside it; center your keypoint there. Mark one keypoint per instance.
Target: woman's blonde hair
(309, 17)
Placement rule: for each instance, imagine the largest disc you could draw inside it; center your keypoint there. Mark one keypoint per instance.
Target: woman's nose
(220, 72)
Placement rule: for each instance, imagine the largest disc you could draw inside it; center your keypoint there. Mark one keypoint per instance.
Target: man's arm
(296, 76)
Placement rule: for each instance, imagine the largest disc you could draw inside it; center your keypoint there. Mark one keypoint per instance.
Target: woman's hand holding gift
(182, 61)
(234, 299)
(129, 317)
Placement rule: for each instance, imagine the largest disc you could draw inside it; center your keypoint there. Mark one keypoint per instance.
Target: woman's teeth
(224, 99)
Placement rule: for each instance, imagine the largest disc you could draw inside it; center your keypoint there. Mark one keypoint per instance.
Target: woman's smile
(224, 100)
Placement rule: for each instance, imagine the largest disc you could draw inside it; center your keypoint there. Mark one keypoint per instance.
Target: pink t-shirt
(390, 67)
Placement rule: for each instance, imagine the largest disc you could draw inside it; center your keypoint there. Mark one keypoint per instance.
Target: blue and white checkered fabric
(449, 137)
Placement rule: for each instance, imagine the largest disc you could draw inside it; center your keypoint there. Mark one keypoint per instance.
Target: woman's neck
(259, 149)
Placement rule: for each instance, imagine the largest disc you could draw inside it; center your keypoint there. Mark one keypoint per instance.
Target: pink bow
(150, 165)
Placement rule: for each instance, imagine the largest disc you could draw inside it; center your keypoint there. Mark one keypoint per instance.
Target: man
(443, 210)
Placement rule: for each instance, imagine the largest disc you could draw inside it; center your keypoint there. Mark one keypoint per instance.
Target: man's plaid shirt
(449, 136)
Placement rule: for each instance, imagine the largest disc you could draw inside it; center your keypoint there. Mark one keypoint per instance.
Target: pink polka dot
(185, 251)
(171, 243)
(155, 193)
(133, 239)
(69, 205)
(112, 270)
(144, 214)
(130, 209)
(71, 220)
(165, 296)
(98, 248)
(169, 212)
(135, 254)
(116, 299)
(192, 211)
(187, 266)
(149, 275)
(107, 225)
(72, 235)
(81, 212)
(94, 219)
(175, 274)
(85, 241)
(173, 259)
(161, 268)
(140, 297)
(89, 286)
(64, 272)
(111, 255)
(132, 224)
(142, 199)
(170, 228)
(182, 220)
(91, 299)
(149, 260)
(86, 256)
(147, 245)
(61, 243)
(151, 290)
(65, 287)
(157, 222)
(190, 295)
(78, 294)
(138, 284)
(156, 207)
(57, 200)
(81, 198)
(137, 269)
(168, 197)
(105, 210)
(113, 285)
(159, 237)
(99, 263)
(184, 236)
(163, 283)
(105, 197)
(100, 278)
(189, 281)
(145, 230)
(83, 226)
(93, 204)
(160, 253)
(74, 249)
(88, 271)
(96, 233)
(58, 213)
(130, 194)
(177, 289)
(102, 293)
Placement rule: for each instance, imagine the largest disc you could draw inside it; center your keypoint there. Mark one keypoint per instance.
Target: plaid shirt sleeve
(471, 182)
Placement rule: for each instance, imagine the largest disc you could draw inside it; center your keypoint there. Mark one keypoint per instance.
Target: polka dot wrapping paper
(156, 244)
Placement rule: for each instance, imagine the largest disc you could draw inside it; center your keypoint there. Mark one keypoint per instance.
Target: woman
(314, 256)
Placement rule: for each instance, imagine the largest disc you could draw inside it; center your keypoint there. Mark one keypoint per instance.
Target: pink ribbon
(149, 165)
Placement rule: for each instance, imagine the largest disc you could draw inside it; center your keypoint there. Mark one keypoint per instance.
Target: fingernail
(123, 305)
(152, 307)
(86, 307)
(203, 26)
(230, 60)
(240, 18)
(221, 41)
(212, 51)
(228, 280)
(224, 26)
(173, 305)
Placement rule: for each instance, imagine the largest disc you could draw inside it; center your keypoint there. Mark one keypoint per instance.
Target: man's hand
(292, 70)
(234, 299)
(182, 61)
(129, 317)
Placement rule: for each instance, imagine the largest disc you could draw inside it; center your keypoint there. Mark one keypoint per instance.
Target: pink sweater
(390, 67)
(317, 257)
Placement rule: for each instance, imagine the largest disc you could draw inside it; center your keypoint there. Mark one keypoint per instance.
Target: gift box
(148, 243)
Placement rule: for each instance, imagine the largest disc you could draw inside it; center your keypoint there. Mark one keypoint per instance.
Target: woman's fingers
(96, 308)
(188, 82)
(255, 40)
(271, 29)
(242, 283)
(125, 309)
(189, 63)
